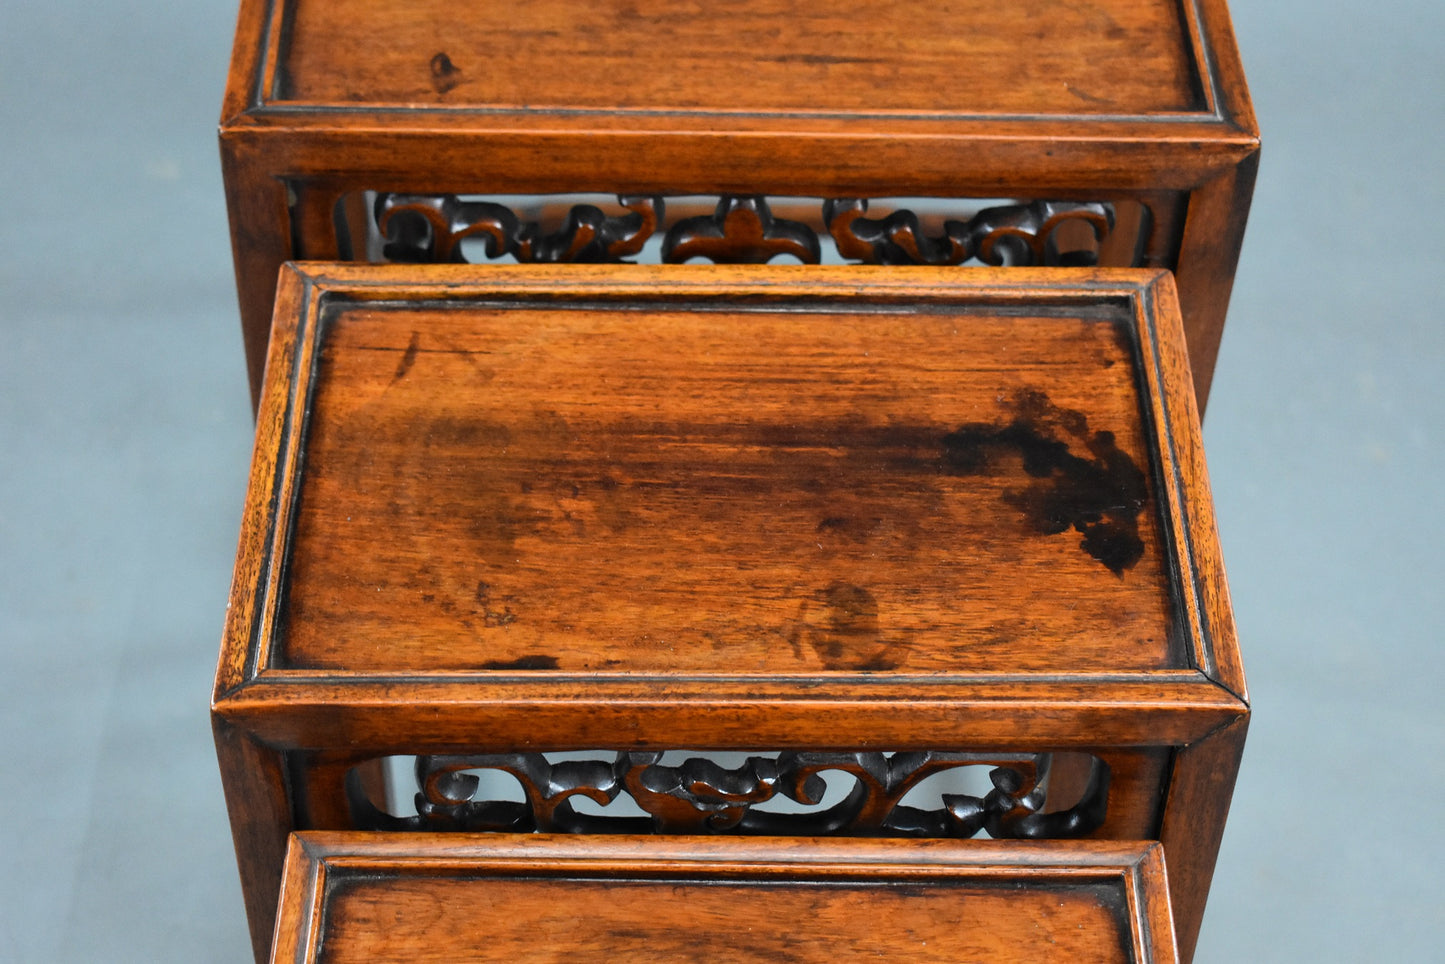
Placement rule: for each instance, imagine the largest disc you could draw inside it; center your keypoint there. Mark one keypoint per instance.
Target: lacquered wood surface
(741, 490)
(351, 897)
(1033, 57)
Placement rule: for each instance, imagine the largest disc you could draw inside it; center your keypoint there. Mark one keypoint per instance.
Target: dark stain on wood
(1101, 495)
(820, 59)
(444, 73)
(493, 618)
(408, 357)
(851, 528)
(523, 662)
(846, 633)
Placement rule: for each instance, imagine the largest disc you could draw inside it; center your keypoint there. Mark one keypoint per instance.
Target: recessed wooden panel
(727, 490)
(1028, 57)
(486, 919)
(384, 898)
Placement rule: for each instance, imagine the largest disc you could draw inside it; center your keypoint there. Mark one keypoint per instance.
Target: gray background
(125, 433)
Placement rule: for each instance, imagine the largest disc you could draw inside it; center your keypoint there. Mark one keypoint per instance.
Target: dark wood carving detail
(742, 230)
(1015, 234)
(422, 228)
(701, 796)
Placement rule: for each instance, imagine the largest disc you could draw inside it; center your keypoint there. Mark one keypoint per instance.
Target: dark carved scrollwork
(742, 230)
(1030, 232)
(701, 796)
(431, 228)
(1016, 234)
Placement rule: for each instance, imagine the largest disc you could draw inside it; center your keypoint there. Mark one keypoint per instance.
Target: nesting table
(754, 551)
(866, 568)
(1118, 133)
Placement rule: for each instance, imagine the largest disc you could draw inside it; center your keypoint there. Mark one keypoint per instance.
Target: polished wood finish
(371, 897)
(741, 492)
(1131, 102)
(526, 509)
(1109, 58)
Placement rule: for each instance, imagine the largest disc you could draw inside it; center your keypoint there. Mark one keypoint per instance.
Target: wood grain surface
(351, 897)
(1031, 57)
(586, 474)
(741, 490)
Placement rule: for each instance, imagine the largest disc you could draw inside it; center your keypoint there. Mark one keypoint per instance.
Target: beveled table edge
(255, 63)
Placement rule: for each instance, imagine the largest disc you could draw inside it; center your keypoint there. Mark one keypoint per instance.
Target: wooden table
(382, 897)
(877, 522)
(1118, 131)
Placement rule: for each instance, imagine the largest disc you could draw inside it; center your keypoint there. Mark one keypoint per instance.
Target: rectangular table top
(702, 67)
(750, 490)
(709, 479)
(1116, 57)
(373, 897)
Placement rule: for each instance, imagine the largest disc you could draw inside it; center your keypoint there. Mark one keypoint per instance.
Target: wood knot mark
(444, 74)
(1100, 494)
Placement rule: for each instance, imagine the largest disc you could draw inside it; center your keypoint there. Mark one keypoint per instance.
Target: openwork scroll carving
(431, 228)
(1015, 234)
(701, 796)
(742, 229)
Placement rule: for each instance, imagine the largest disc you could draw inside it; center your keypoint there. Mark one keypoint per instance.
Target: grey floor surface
(125, 433)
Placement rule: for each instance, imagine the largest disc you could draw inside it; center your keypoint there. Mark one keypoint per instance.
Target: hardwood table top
(744, 491)
(1117, 57)
(706, 483)
(382, 897)
(852, 99)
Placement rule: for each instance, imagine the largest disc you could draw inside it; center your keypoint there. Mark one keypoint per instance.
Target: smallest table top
(383, 897)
